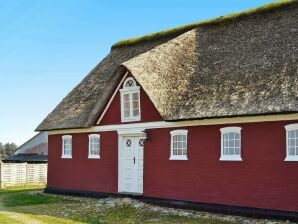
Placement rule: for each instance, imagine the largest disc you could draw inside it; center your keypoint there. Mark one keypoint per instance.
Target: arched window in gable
(130, 101)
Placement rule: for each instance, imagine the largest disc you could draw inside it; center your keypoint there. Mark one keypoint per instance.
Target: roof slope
(82, 106)
(243, 67)
(37, 144)
(26, 158)
(247, 67)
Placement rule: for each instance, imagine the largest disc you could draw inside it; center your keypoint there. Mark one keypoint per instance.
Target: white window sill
(291, 158)
(66, 157)
(230, 158)
(131, 119)
(93, 157)
(178, 158)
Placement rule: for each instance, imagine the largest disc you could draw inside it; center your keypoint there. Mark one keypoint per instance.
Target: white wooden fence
(16, 174)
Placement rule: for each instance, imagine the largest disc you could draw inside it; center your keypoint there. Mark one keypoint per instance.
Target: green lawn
(23, 205)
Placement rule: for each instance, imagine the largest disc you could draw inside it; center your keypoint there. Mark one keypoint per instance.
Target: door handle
(134, 160)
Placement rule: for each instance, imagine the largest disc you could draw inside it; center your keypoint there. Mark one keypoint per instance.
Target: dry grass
(24, 206)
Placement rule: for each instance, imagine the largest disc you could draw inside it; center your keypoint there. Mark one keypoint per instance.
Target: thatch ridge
(173, 32)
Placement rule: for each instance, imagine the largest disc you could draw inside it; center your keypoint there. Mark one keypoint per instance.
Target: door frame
(121, 134)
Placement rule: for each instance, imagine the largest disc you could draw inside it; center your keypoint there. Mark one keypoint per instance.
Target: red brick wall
(80, 172)
(261, 180)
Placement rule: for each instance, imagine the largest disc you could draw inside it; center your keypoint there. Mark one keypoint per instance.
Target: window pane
(175, 151)
(226, 151)
(135, 96)
(126, 98)
(126, 113)
(94, 146)
(291, 151)
(231, 135)
(225, 143)
(237, 143)
(232, 143)
(175, 144)
(237, 136)
(136, 112)
(135, 105)
(291, 142)
(184, 145)
(231, 151)
(179, 145)
(291, 134)
(67, 146)
(126, 105)
(175, 138)
(237, 151)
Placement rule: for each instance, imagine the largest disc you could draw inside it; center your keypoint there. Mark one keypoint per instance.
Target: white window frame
(174, 133)
(66, 137)
(230, 157)
(290, 127)
(130, 90)
(92, 136)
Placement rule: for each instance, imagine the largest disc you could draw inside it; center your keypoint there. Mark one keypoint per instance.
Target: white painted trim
(230, 158)
(230, 129)
(180, 157)
(177, 124)
(134, 87)
(66, 157)
(223, 157)
(291, 159)
(132, 132)
(111, 99)
(92, 136)
(93, 157)
(179, 132)
(290, 127)
(174, 133)
(120, 163)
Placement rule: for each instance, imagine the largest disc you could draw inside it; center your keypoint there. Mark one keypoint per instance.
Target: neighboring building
(204, 114)
(35, 150)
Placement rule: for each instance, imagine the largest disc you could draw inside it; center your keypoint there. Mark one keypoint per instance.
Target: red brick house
(204, 115)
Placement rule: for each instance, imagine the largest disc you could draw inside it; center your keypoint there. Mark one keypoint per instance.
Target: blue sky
(47, 47)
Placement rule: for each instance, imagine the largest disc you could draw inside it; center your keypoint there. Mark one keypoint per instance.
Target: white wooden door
(132, 165)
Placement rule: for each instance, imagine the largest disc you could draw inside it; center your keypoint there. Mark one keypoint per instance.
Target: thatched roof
(246, 66)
